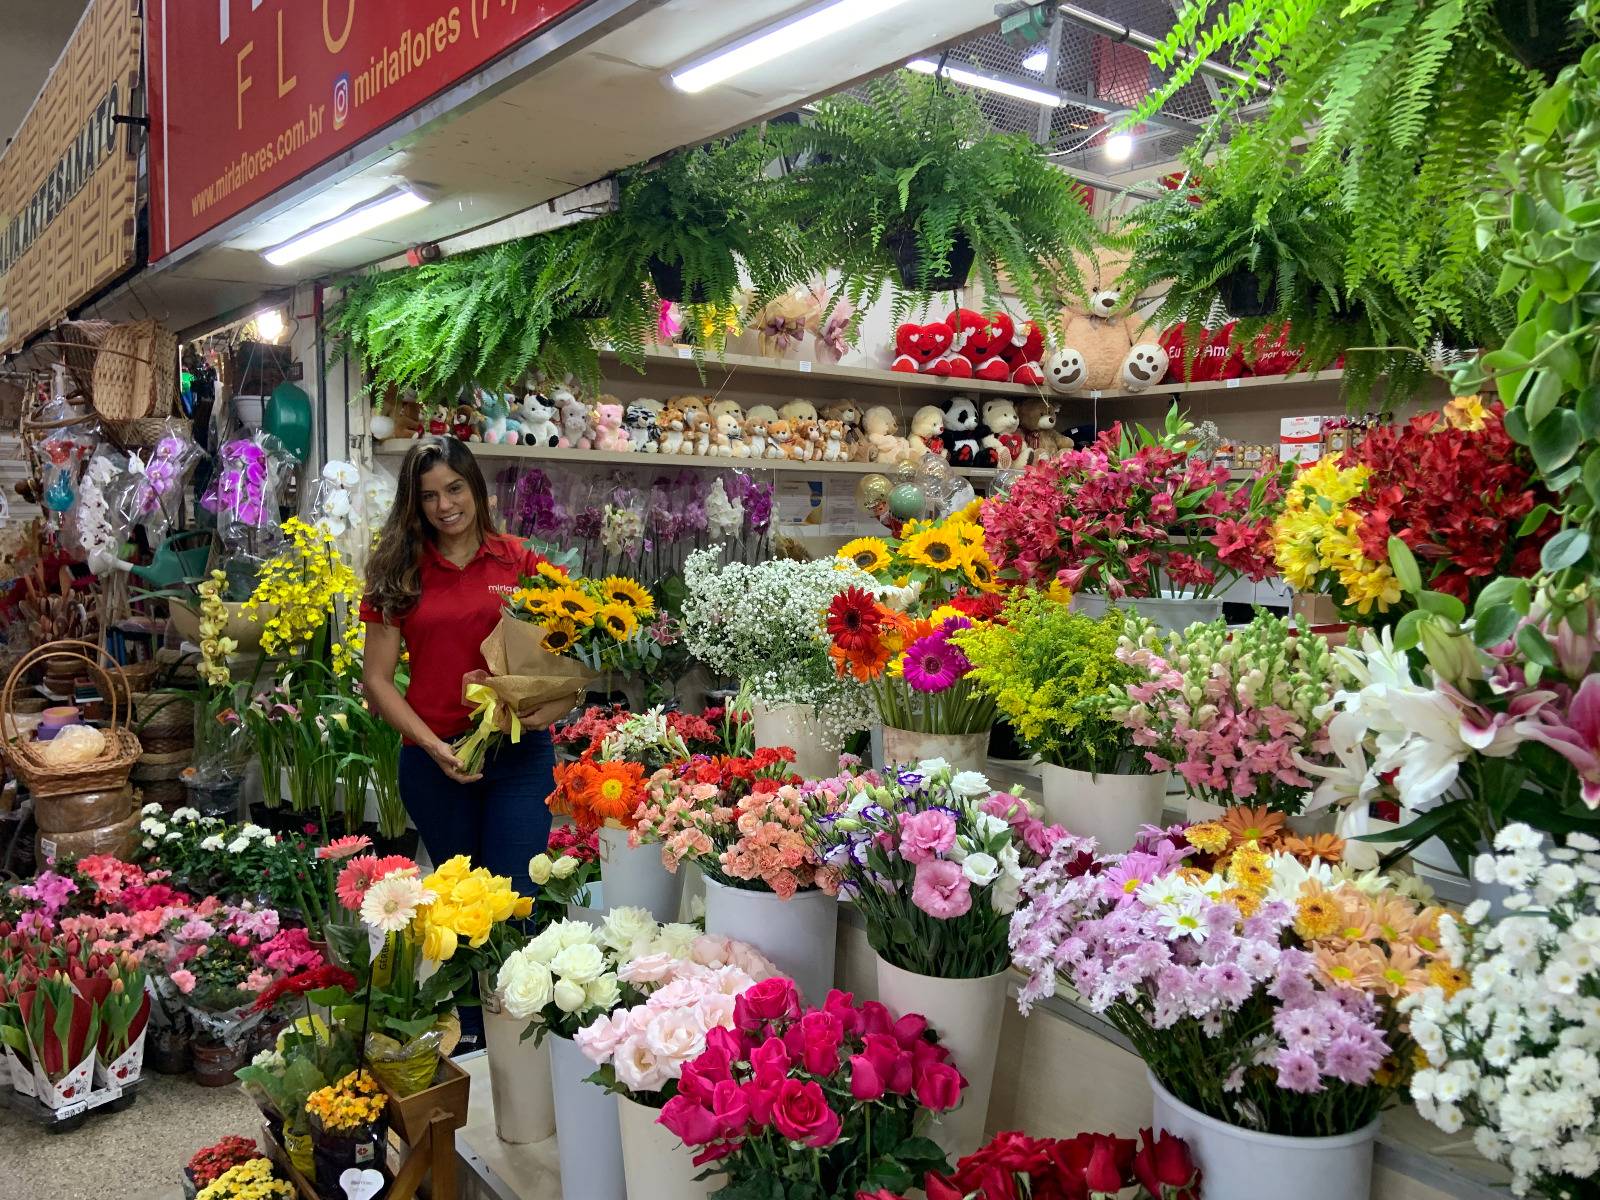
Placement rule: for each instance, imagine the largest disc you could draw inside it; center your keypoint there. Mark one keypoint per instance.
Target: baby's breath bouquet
(763, 625)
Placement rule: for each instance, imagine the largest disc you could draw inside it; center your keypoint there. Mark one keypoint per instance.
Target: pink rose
(820, 1036)
(703, 1074)
(941, 889)
(892, 1064)
(711, 950)
(650, 968)
(689, 1121)
(770, 1000)
(761, 1097)
(908, 1030)
(939, 1087)
(865, 1082)
(728, 1042)
(802, 1114)
(183, 980)
(770, 1061)
(731, 1108)
(843, 1005)
(599, 1041)
(925, 835)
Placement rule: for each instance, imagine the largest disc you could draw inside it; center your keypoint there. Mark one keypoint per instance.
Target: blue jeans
(499, 822)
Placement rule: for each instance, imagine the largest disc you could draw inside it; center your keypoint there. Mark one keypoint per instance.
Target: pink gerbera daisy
(361, 873)
(343, 848)
(933, 664)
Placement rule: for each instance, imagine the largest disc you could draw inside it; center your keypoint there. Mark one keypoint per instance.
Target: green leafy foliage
(917, 157)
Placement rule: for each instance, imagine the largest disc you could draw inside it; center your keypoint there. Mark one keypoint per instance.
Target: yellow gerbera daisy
(560, 636)
(869, 554)
(572, 604)
(619, 589)
(618, 620)
(936, 548)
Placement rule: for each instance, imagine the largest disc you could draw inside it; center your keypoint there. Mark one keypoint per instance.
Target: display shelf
(726, 367)
(667, 461)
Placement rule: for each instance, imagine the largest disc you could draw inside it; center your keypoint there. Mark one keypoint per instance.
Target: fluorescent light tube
(775, 41)
(348, 224)
(1037, 61)
(988, 83)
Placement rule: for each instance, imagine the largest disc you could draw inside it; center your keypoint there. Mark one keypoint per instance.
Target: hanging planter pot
(668, 281)
(902, 243)
(1246, 294)
(1540, 33)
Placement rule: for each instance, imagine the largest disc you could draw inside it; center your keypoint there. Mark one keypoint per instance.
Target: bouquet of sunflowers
(557, 633)
(929, 564)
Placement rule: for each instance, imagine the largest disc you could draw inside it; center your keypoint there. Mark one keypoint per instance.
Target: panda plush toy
(964, 433)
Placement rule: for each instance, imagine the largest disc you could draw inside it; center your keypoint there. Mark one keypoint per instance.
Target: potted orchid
(934, 860)
(1262, 990)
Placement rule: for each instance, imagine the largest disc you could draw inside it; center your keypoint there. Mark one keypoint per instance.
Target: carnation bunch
(1132, 515)
(934, 859)
(836, 1097)
(1262, 991)
(1512, 1055)
(1236, 712)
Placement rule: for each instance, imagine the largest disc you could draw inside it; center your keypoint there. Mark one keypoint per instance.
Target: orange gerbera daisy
(1328, 847)
(612, 791)
(1247, 824)
(864, 663)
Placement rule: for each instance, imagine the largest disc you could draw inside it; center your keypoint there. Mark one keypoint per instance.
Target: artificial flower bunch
(741, 819)
(1088, 1166)
(1512, 1055)
(913, 667)
(1049, 672)
(250, 1180)
(821, 1101)
(1454, 487)
(1260, 990)
(1132, 515)
(934, 860)
(641, 1049)
(1238, 713)
(591, 619)
(354, 1102)
(929, 563)
(763, 625)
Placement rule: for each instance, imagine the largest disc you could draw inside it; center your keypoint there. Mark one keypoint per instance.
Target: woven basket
(136, 372)
(135, 433)
(169, 793)
(157, 713)
(122, 748)
(80, 344)
(153, 767)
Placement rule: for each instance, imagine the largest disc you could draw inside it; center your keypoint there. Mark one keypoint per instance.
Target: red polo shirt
(455, 612)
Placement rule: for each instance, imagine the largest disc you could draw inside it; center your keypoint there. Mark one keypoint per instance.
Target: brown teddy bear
(1100, 330)
(1039, 430)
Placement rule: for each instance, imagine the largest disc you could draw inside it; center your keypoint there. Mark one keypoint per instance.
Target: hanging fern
(918, 158)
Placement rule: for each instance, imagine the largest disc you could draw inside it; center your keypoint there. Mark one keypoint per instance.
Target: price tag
(1231, 382)
(685, 352)
(1095, 394)
(805, 366)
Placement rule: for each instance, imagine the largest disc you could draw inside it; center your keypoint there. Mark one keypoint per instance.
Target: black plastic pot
(902, 243)
(1246, 294)
(167, 1050)
(668, 280)
(406, 844)
(1540, 33)
(335, 1153)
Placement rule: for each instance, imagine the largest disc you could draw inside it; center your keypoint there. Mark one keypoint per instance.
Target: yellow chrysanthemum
(1209, 837)
(1059, 592)
(937, 548)
(618, 589)
(868, 554)
(560, 636)
(572, 605)
(618, 620)
(1316, 916)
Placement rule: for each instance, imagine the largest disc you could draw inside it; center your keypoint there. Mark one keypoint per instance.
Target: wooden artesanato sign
(68, 180)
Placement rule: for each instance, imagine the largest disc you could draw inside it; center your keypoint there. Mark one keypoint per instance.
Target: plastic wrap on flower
(246, 492)
(156, 499)
(725, 510)
(102, 526)
(622, 526)
(63, 453)
(534, 509)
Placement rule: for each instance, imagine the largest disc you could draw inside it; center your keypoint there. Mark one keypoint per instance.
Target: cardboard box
(1312, 608)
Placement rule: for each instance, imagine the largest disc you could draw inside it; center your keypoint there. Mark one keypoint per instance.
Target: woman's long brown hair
(394, 572)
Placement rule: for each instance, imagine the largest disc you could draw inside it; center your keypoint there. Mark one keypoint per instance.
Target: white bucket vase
(963, 751)
(587, 1134)
(519, 1074)
(657, 1165)
(633, 877)
(966, 1014)
(1170, 614)
(1242, 1164)
(1198, 810)
(798, 934)
(593, 912)
(1109, 808)
(816, 756)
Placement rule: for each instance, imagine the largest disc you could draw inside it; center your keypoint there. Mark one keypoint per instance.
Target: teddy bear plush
(756, 427)
(833, 447)
(670, 424)
(927, 434)
(539, 427)
(780, 440)
(880, 434)
(1099, 329)
(1024, 354)
(980, 344)
(609, 434)
(696, 432)
(848, 414)
(576, 429)
(923, 349)
(640, 422)
(1039, 434)
(798, 410)
(1005, 437)
(464, 424)
(964, 433)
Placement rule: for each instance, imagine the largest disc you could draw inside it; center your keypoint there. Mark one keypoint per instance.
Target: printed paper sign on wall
(248, 95)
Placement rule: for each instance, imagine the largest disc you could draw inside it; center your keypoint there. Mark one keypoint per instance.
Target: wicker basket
(136, 372)
(80, 343)
(161, 713)
(141, 674)
(122, 748)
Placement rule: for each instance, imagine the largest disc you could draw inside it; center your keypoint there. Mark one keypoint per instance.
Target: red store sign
(248, 95)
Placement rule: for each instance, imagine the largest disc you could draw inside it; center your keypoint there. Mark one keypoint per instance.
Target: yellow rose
(474, 924)
(470, 890)
(540, 869)
(523, 907)
(438, 942)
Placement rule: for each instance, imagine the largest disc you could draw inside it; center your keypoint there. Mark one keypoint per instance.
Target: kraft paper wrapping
(523, 674)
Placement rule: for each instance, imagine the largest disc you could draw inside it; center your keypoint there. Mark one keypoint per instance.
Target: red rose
(727, 1041)
(843, 1005)
(770, 1000)
(713, 1152)
(865, 1082)
(1101, 1174)
(802, 1114)
(910, 1028)
(939, 1087)
(875, 1018)
(770, 1061)
(731, 1107)
(939, 1188)
(893, 1065)
(689, 1121)
(821, 1035)
(1164, 1163)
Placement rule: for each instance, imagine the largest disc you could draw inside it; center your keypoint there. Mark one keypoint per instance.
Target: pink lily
(1576, 736)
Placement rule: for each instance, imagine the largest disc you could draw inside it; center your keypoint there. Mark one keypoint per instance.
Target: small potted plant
(208, 1164)
(348, 1128)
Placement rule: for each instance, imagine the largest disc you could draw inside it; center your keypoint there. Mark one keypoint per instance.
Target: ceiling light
(1119, 146)
(988, 83)
(775, 41)
(348, 224)
(1037, 61)
(269, 325)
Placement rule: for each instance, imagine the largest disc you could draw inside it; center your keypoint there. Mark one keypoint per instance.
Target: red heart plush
(988, 340)
(1024, 353)
(921, 349)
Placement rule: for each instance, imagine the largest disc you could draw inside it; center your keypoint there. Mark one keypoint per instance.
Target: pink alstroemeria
(1575, 735)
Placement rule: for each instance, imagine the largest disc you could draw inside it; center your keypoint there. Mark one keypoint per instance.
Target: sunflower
(868, 554)
(618, 620)
(980, 571)
(618, 589)
(937, 548)
(560, 636)
(572, 604)
(556, 575)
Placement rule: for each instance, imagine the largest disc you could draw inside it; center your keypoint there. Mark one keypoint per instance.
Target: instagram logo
(341, 100)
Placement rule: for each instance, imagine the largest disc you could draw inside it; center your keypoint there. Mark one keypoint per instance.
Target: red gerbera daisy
(853, 620)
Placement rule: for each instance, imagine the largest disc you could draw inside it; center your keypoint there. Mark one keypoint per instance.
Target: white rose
(172, 837)
(603, 993)
(677, 939)
(638, 1069)
(969, 784)
(525, 987)
(546, 944)
(931, 766)
(152, 826)
(577, 933)
(980, 868)
(256, 831)
(214, 842)
(563, 867)
(570, 996)
(581, 963)
(239, 845)
(539, 869)
(676, 1035)
(149, 810)
(624, 926)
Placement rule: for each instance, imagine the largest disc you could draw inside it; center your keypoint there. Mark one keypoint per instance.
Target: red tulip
(1165, 1168)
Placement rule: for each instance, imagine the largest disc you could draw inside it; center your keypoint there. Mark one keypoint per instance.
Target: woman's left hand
(543, 716)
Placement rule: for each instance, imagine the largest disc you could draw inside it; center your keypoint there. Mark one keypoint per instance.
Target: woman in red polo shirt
(430, 587)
